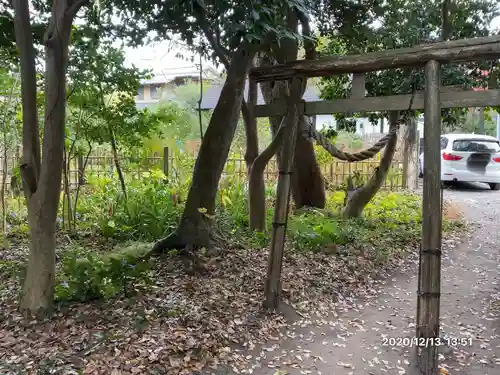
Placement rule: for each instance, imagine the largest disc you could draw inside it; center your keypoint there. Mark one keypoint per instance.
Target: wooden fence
(101, 164)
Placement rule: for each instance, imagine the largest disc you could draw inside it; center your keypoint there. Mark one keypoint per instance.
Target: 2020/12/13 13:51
(426, 341)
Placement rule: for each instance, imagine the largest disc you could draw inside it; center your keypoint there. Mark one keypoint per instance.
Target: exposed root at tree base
(189, 242)
(171, 242)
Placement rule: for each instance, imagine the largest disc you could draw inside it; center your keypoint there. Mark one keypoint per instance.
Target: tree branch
(266, 155)
(74, 7)
(31, 131)
(219, 51)
(309, 45)
(252, 141)
(357, 203)
(63, 17)
(446, 27)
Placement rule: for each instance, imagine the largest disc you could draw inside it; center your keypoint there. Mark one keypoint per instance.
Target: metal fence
(101, 164)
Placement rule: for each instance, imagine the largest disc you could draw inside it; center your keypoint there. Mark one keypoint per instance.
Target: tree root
(189, 239)
(171, 242)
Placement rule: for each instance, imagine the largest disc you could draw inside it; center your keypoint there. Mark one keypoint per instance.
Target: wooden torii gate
(432, 100)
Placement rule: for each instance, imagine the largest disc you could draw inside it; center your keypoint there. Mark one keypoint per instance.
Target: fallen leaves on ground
(185, 323)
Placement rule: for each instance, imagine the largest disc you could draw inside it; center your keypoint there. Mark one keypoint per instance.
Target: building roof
(188, 71)
(212, 94)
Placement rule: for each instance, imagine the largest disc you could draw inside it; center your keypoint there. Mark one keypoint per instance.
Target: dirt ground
(356, 339)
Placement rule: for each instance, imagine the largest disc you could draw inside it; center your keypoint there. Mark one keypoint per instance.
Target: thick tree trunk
(42, 180)
(38, 289)
(39, 285)
(308, 185)
(357, 203)
(195, 228)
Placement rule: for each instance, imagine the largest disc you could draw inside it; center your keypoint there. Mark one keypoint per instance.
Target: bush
(152, 207)
(150, 213)
(102, 277)
(390, 220)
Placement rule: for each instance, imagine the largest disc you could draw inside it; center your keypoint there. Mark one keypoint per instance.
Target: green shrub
(102, 277)
(152, 207)
(389, 220)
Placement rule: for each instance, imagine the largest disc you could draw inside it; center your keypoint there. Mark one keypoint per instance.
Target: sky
(161, 56)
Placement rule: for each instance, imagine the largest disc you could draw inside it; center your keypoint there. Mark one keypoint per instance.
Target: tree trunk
(357, 203)
(81, 173)
(195, 228)
(3, 182)
(67, 193)
(250, 121)
(410, 154)
(256, 181)
(308, 185)
(43, 186)
(5, 155)
(116, 161)
(256, 184)
(38, 290)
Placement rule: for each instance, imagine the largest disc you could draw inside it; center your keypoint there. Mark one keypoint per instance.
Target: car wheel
(494, 186)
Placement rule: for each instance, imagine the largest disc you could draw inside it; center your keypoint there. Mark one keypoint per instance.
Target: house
(151, 90)
(312, 93)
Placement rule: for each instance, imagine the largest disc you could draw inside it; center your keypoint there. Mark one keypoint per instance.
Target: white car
(469, 158)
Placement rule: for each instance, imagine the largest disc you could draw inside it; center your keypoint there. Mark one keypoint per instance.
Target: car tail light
(451, 157)
(496, 159)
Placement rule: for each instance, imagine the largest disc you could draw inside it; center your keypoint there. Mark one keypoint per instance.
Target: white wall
(364, 126)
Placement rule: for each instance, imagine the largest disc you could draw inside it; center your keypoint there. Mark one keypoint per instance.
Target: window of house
(155, 91)
(140, 93)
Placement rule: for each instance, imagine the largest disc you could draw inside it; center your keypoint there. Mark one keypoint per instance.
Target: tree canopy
(402, 23)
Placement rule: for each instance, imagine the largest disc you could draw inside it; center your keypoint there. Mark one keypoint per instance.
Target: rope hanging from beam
(345, 156)
(311, 132)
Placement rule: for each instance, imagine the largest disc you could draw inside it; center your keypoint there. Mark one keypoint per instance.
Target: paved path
(353, 343)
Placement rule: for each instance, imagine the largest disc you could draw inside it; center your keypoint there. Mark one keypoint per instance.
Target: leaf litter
(186, 323)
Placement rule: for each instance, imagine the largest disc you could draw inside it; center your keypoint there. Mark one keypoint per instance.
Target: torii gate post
(281, 207)
(432, 100)
(429, 271)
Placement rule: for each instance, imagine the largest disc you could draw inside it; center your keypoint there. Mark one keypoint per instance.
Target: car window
(444, 143)
(475, 145)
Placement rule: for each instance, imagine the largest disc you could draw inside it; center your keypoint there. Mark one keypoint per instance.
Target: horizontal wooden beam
(449, 99)
(484, 48)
